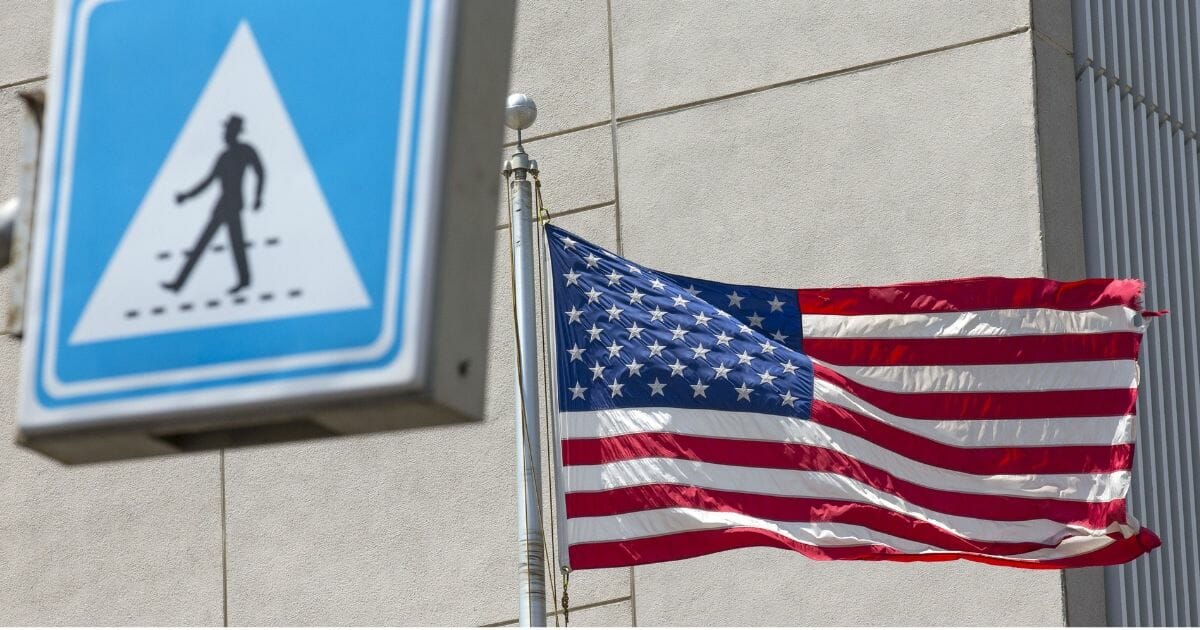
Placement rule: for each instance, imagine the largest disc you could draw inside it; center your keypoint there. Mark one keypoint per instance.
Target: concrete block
(769, 587)
(1058, 161)
(25, 30)
(1052, 18)
(560, 59)
(577, 170)
(124, 544)
(671, 53)
(1085, 597)
(931, 173)
(412, 528)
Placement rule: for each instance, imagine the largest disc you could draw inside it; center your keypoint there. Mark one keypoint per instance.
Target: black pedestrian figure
(230, 169)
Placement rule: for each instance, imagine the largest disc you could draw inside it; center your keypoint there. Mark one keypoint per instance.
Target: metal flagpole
(519, 114)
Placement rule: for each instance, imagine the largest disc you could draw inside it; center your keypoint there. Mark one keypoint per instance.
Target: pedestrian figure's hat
(234, 123)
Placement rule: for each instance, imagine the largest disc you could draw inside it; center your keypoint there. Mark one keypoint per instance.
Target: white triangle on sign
(297, 261)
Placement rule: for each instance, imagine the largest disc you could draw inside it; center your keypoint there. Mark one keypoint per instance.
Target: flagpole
(519, 114)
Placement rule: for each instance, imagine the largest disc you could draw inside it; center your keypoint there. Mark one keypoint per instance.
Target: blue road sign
(233, 205)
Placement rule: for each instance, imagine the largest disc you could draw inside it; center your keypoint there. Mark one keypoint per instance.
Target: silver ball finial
(519, 112)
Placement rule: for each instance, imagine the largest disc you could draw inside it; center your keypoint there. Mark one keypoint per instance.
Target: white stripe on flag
(1104, 430)
(1000, 322)
(1101, 487)
(1024, 377)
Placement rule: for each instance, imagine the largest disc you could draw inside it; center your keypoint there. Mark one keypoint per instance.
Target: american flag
(987, 419)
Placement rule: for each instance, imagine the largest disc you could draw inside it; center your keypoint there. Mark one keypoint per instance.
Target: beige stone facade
(790, 143)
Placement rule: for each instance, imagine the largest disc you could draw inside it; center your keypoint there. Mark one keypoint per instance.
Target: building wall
(1138, 70)
(787, 143)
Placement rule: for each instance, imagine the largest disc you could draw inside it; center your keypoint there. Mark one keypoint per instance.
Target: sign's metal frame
(437, 378)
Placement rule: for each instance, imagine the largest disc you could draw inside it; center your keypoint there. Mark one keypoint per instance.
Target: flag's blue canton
(630, 336)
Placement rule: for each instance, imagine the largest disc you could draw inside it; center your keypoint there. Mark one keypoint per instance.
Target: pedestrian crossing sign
(243, 221)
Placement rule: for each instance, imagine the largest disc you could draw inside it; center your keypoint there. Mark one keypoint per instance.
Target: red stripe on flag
(602, 555)
(990, 405)
(801, 457)
(787, 509)
(1002, 460)
(974, 350)
(971, 294)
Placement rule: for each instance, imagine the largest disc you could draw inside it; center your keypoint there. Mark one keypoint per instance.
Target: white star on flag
(677, 368)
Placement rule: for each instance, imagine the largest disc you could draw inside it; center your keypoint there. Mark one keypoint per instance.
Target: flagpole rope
(512, 277)
(551, 420)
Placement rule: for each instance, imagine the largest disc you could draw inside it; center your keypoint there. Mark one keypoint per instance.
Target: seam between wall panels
(1041, 196)
(1050, 40)
(224, 548)
(569, 212)
(786, 83)
(22, 82)
(612, 122)
(607, 602)
(829, 74)
(560, 132)
(1045, 37)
